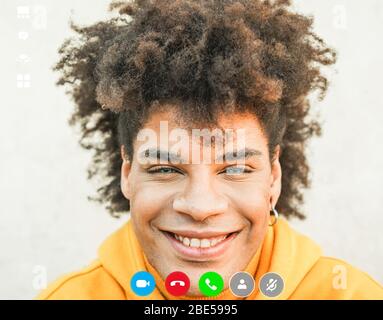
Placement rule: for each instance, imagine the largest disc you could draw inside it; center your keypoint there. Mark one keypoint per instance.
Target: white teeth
(199, 243)
(205, 243)
(195, 243)
(186, 241)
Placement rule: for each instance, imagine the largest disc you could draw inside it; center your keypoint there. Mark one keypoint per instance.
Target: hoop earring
(274, 213)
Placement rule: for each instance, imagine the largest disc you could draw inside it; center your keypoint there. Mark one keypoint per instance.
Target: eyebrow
(158, 154)
(242, 154)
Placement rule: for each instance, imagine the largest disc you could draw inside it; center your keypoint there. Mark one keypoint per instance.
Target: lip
(199, 234)
(200, 254)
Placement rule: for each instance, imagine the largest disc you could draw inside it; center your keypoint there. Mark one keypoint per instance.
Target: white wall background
(45, 218)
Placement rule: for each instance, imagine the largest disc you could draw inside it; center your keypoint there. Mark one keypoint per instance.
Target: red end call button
(177, 283)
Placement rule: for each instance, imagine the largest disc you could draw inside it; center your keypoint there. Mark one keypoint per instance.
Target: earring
(274, 213)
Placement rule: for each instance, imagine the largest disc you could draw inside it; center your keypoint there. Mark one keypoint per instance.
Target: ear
(275, 178)
(125, 174)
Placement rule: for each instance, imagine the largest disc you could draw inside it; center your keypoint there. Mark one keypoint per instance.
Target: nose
(200, 201)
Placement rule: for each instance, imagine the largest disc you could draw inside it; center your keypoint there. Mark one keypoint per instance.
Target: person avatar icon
(242, 285)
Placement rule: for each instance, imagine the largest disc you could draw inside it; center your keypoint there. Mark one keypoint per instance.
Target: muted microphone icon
(271, 284)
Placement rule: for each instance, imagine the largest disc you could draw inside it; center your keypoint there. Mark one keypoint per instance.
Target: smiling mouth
(203, 248)
(199, 242)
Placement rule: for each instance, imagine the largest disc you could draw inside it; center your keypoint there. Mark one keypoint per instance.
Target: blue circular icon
(142, 283)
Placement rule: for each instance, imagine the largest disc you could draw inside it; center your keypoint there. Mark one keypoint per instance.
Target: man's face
(206, 215)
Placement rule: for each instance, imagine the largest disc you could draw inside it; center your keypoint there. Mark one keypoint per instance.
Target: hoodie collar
(283, 251)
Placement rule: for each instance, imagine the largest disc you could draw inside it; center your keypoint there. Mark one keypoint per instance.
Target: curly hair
(212, 57)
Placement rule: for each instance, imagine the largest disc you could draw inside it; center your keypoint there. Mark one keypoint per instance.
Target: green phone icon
(211, 284)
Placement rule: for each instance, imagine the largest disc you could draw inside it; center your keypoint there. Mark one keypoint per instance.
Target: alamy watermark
(181, 146)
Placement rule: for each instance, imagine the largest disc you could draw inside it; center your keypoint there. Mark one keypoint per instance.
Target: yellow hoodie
(296, 258)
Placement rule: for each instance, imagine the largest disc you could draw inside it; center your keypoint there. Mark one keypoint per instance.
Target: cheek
(146, 205)
(252, 202)
(148, 200)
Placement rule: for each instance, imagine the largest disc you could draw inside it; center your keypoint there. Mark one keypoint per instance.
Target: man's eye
(236, 170)
(163, 170)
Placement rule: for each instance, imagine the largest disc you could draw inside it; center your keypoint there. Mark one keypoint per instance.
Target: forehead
(170, 137)
(227, 124)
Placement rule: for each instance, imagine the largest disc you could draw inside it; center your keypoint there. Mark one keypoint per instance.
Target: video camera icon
(142, 283)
